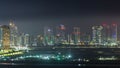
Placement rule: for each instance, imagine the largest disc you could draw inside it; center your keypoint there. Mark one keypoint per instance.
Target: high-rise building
(20, 39)
(0, 37)
(114, 34)
(118, 34)
(69, 39)
(40, 40)
(48, 36)
(13, 34)
(76, 35)
(97, 35)
(5, 37)
(105, 34)
(27, 40)
(109, 34)
(31, 40)
(85, 38)
(60, 34)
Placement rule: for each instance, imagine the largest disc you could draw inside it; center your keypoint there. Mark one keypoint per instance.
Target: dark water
(60, 66)
(91, 54)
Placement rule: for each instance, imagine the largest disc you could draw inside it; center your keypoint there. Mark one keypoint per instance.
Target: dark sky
(32, 15)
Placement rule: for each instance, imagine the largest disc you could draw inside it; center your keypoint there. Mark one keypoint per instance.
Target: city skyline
(104, 34)
(59, 33)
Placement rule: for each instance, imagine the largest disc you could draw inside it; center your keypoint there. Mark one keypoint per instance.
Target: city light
(59, 33)
(107, 58)
(39, 57)
(100, 36)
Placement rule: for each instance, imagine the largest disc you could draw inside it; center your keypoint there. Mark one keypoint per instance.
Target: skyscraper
(97, 34)
(60, 34)
(105, 34)
(14, 34)
(109, 34)
(5, 37)
(76, 35)
(85, 38)
(21, 39)
(27, 40)
(1, 37)
(118, 34)
(114, 34)
(40, 40)
(48, 36)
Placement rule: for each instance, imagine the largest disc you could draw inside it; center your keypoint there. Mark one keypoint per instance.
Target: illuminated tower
(60, 34)
(5, 37)
(114, 33)
(31, 40)
(85, 37)
(118, 34)
(70, 40)
(40, 40)
(105, 34)
(94, 34)
(76, 35)
(48, 36)
(97, 34)
(109, 34)
(27, 40)
(0, 37)
(21, 39)
(14, 34)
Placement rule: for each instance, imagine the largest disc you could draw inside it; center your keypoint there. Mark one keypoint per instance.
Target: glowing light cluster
(5, 51)
(82, 59)
(45, 57)
(107, 58)
(11, 54)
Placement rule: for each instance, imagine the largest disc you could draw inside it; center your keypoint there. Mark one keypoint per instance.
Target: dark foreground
(60, 66)
(77, 60)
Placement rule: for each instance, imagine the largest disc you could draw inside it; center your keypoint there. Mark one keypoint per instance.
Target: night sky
(32, 15)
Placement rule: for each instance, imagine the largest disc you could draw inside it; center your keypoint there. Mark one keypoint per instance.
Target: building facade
(5, 37)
